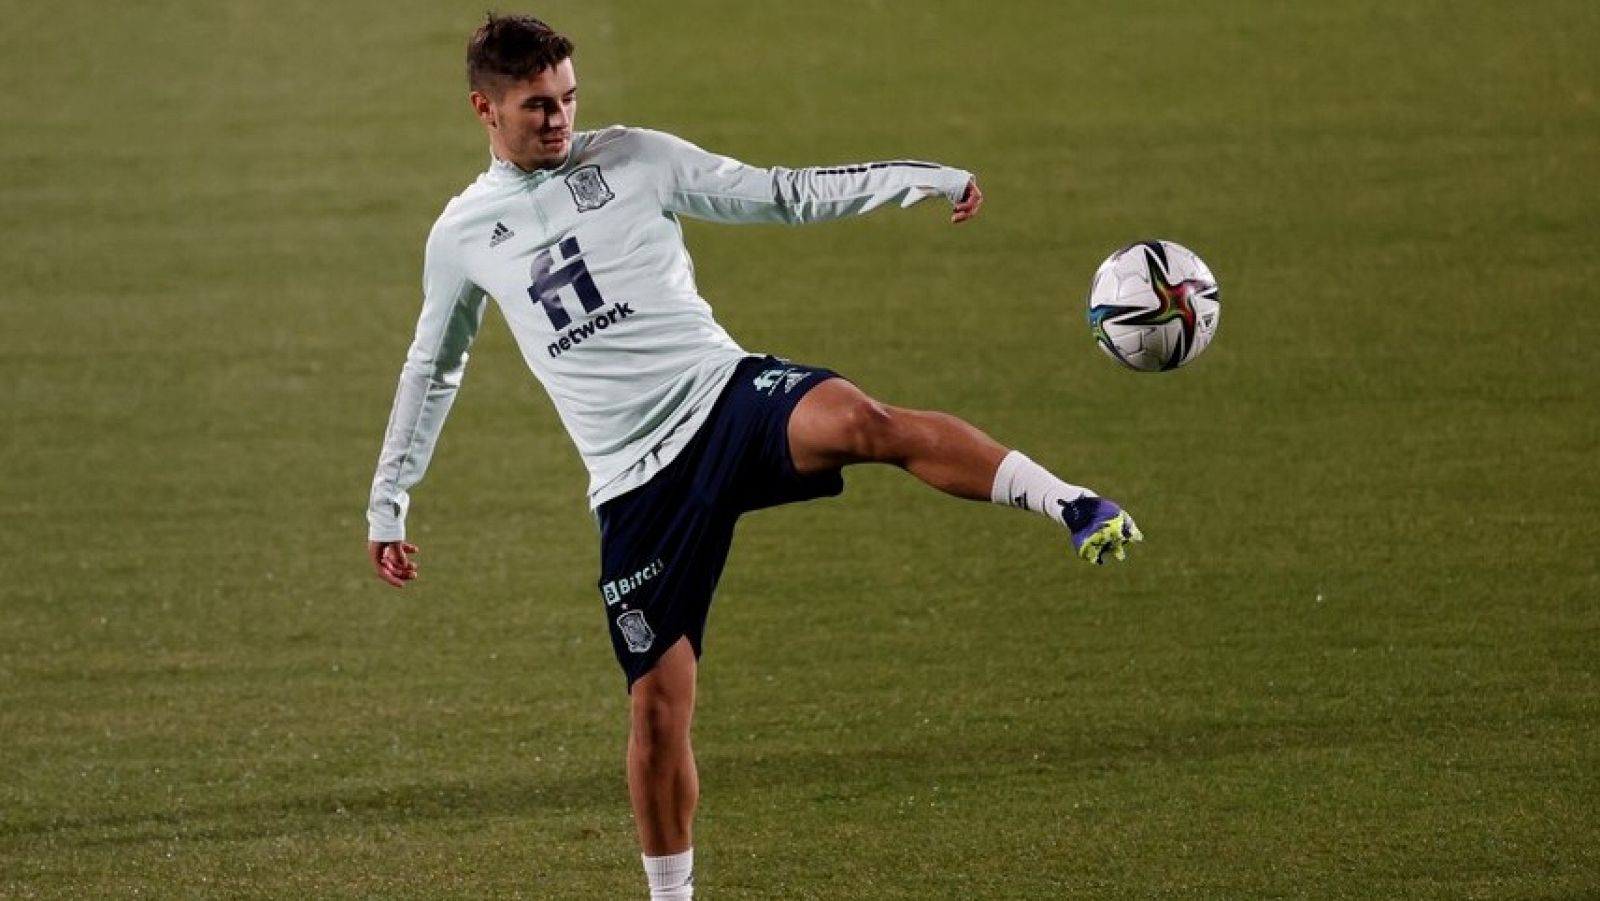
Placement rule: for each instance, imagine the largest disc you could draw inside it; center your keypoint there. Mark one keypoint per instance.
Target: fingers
(391, 561)
(398, 562)
(968, 205)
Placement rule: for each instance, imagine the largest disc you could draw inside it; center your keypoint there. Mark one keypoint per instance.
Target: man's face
(530, 122)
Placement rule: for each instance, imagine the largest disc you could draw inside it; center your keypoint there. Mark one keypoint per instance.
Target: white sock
(671, 876)
(1020, 482)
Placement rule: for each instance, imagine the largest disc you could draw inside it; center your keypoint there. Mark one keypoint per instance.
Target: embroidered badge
(635, 631)
(589, 189)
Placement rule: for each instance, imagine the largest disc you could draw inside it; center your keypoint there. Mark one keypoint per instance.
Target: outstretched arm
(708, 186)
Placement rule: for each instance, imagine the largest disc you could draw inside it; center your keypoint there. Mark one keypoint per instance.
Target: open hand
(392, 561)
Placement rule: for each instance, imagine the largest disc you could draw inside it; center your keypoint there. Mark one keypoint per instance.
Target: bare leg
(837, 424)
(662, 779)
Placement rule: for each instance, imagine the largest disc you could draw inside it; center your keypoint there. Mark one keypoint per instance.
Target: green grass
(1357, 656)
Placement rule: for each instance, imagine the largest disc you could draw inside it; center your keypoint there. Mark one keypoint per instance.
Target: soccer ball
(1153, 306)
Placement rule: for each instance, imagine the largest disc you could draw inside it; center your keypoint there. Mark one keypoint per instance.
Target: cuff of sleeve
(386, 516)
(385, 528)
(959, 179)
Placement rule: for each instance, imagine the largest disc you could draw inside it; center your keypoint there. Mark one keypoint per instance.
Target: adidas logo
(501, 235)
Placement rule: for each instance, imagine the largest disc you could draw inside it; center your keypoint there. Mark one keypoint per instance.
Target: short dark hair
(512, 48)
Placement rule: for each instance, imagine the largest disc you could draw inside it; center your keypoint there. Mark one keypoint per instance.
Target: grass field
(1358, 656)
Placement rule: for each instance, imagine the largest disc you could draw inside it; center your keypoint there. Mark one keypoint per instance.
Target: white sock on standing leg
(671, 876)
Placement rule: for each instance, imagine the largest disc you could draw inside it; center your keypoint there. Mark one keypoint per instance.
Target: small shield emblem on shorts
(589, 189)
(635, 631)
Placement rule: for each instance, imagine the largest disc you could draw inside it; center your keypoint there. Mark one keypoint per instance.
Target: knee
(871, 430)
(660, 719)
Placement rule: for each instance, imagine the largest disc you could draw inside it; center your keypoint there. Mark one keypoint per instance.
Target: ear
(483, 108)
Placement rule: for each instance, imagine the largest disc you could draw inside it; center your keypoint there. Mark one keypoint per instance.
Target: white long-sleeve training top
(588, 265)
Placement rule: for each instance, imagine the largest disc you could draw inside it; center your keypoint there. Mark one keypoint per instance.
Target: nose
(558, 117)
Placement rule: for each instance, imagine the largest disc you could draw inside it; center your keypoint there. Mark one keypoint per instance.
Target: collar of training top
(500, 168)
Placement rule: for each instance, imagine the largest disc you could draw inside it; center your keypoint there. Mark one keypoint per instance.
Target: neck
(527, 164)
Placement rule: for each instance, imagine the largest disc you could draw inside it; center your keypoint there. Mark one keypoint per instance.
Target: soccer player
(575, 235)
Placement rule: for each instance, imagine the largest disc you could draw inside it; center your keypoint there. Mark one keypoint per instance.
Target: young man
(575, 235)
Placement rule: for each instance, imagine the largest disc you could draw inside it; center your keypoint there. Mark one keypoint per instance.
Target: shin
(662, 779)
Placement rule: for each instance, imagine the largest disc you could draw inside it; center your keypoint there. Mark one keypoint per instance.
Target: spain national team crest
(635, 631)
(589, 188)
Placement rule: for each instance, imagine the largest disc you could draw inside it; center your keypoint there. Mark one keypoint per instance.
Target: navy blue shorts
(663, 544)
